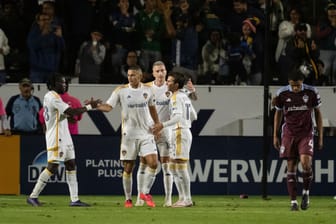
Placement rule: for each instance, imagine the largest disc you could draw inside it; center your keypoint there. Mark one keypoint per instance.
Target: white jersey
(180, 105)
(57, 130)
(135, 115)
(161, 101)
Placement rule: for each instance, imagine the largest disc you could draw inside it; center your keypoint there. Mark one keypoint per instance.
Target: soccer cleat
(305, 202)
(79, 204)
(182, 204)
(139, 203)
(128, 203)
(294, 207)
(167, 204)
(148, 199)
(34, 202)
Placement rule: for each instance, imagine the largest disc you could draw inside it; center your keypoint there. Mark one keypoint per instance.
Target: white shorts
(164, 142)
(181, 144)
(61, 154)
(130, 147)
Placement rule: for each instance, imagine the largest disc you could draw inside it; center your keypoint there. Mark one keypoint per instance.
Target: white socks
(71, 178)
(41, 183)
(127, 185)
(167, 181)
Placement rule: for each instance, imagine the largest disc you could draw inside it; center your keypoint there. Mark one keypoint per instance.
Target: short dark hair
(51, 83)
(178, 78)
(295, 75)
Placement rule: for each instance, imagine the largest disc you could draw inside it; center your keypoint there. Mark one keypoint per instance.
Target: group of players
(156, 116)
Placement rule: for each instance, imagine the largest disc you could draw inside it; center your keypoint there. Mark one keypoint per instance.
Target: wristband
(88, 107)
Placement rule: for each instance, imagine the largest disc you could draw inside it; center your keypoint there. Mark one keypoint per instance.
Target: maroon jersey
(297, 109)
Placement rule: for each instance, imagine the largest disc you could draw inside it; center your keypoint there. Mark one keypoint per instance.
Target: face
(302, 33)
(132, 58)
(246, 29)
(296, 85)
(26, 90)
(134, 78)
(159, 73)
(239, 7)
(331, 14)
(294, 16)
(61, 85)
(172, 86)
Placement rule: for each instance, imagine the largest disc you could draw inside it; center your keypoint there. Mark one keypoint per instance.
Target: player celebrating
(138, 115)
(59, 142)
(182, 113)
(297, 102)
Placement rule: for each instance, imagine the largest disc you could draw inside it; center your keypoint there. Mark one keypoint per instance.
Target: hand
(190, 86)
(156, 128)
(276, 143)
(93, 103)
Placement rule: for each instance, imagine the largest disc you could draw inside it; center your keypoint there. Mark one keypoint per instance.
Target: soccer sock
(150, 175)
(185, 179)
(167, 181)
(41, 183)
(127, 185)
(291, 185)
(177, 180)
(71, 178)
(140, 178)
(307, 177)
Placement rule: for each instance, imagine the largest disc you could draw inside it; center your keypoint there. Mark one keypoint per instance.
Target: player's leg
(305, 146)
(128, 181)
(307, 176)
(182, 157)
(150, 175)
(140, 180)
(41, 183)
(292, 182)
(177, 180)
(164, 148)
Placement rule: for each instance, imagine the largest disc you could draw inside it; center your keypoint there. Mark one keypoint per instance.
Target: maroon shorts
(292, 147)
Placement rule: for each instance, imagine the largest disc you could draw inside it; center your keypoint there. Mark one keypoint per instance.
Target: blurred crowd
(213, 41)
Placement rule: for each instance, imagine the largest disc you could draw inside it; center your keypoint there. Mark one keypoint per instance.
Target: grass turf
(208, 209)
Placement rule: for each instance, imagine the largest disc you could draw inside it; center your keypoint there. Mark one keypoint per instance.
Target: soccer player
(182, 113)
(297, 102)
(138, 114)
(59, 142)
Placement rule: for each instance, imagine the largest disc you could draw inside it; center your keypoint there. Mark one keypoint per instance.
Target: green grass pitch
(208, 209)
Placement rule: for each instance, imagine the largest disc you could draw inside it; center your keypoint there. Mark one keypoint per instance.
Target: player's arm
(153, 113)
(276, 126)
(104, 107)
(319, 126)
(92, 104)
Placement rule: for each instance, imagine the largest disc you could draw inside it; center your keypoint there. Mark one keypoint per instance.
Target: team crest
(123, 152)
(168, 94)
(145, 95)
(61, 154)
(305, 98)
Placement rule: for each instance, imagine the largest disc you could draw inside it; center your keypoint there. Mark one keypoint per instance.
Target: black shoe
(305, 202)
(294, 207)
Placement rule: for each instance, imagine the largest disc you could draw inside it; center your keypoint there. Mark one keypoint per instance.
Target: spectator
(185, 53)
(214, 57)
(46, 45)
(323, 79)
(16, 30)
(286, 31)
(150, 28)
(326, 35)
(300, 51)
(4, 128)
(122, 37)
(4, 50)
(73, 102)
(90, 58)
(22, 110)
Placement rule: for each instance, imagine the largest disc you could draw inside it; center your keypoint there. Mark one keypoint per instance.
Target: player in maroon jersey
(297, 102)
